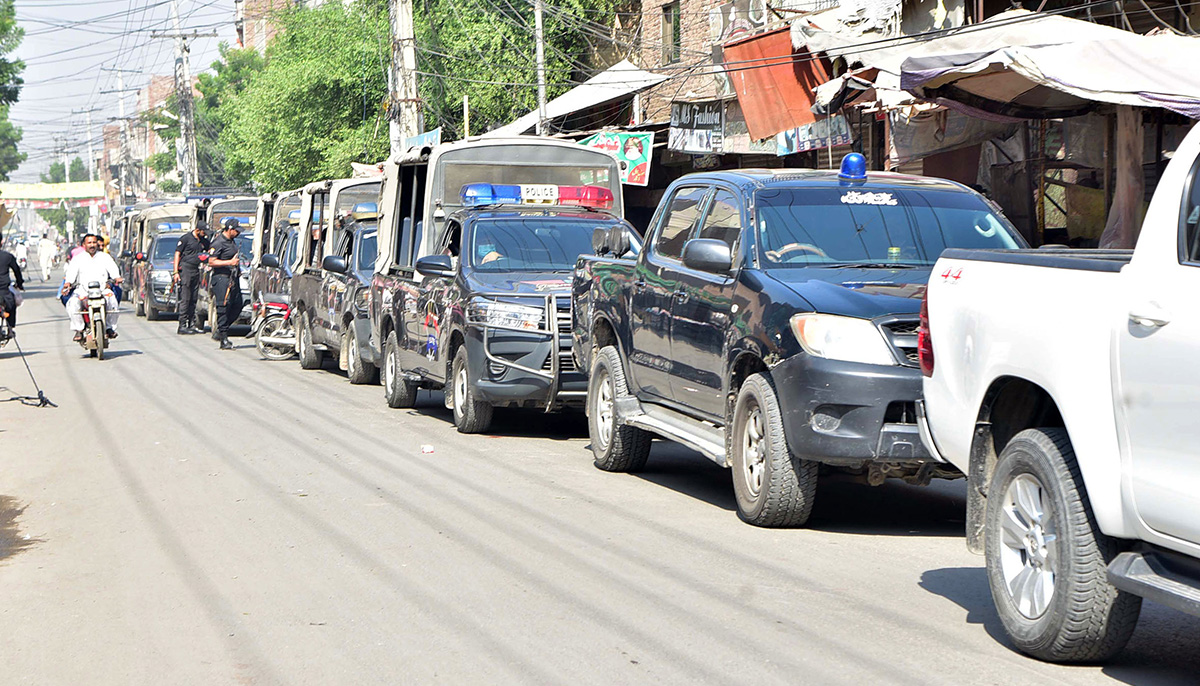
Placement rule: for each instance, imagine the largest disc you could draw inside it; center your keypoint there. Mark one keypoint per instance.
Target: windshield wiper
(868, 265)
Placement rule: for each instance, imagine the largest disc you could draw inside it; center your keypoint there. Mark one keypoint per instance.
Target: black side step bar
(1165, 577)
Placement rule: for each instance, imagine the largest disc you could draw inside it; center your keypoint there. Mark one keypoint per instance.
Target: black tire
(1084, 618)
(471, 416)
(152, 314)
(357, 370)
(309, 358)
(614, 448)
(101, 340)
(399, 391)
(773, 487)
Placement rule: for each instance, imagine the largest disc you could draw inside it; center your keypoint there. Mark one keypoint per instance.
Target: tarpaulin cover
(774, 84)
(617, 81)
(1021, 64)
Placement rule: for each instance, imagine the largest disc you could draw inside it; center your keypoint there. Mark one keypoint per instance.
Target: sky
(67, 46)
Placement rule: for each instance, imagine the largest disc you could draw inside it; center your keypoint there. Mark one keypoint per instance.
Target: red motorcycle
(274, 337)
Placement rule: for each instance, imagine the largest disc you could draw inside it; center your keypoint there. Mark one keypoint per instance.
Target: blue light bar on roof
(365, 207)
(854, 168)
(475, 194)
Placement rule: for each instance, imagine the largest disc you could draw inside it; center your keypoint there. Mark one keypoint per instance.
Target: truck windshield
(866, 226)
(527, 244)
(164, 248)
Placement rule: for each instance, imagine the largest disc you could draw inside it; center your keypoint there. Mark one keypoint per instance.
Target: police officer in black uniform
(224, 285)
(187, 275)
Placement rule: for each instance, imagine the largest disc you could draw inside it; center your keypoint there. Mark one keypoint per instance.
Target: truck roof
(797, 178)
(547, 211)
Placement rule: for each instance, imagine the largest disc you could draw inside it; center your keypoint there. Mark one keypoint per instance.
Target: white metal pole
(539, 44)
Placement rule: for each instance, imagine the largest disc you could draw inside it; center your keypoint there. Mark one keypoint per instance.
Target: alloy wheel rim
(1028, 546)
(390, 370)
(350, 366)
(753, 451)
(604, 411)
(460, 390)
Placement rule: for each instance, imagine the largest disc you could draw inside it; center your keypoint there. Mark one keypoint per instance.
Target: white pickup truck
(1066, 385)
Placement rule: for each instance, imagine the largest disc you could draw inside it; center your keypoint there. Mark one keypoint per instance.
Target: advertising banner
(632, 151)
(52, 191)
(818, 135)
(697, 127)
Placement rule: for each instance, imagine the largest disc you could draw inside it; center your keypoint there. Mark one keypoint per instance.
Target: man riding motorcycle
(91, 266)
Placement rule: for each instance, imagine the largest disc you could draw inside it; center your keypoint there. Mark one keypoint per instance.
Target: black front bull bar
(548, 328)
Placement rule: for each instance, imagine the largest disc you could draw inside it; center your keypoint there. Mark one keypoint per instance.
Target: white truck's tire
(1046, 558)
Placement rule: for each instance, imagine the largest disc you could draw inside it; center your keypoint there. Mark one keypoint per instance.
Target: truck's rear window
(902, 226)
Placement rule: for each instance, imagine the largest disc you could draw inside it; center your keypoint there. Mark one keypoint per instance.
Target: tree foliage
(485, 49)
(230, 74)
(10, 88)
(57, 174)
(316, 106)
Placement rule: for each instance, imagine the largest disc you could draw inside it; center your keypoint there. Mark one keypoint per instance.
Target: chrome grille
(901, 335)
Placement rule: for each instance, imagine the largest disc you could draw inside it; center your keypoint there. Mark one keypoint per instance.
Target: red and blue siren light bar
(480, 194)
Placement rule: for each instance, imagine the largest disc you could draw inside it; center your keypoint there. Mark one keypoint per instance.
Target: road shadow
(114, 354)
(686, 471)
(509, 422)
(11, 539)
(846, 505)
(6, 352)
(1164, 649)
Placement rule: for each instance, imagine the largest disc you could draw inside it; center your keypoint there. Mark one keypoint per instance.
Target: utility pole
(183, 91)
(404, 113)
(124, 149)
(91, 160)
(540, 46)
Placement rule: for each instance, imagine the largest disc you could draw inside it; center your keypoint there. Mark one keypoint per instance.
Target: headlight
(160, 276)
(841, 338)
(506, 314)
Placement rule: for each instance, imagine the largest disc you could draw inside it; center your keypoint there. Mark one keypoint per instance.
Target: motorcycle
(274, 337)
(95, 314)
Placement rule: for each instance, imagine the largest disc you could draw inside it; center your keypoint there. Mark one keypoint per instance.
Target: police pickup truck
(495, 300)
(770, 323)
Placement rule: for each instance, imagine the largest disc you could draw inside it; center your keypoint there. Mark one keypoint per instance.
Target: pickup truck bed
(1085, 259)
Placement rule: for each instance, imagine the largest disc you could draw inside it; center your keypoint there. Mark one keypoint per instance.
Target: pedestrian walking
(47, 250)
(226, 291)
(187, 275)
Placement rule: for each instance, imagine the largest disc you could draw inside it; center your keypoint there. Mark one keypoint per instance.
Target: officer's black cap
(231, 223)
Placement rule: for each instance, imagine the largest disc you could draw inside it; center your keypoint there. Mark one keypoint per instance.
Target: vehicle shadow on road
(11, 539)
(509, 422)
(845, 505)
(114, 354)
(967, 587)
(688, 472)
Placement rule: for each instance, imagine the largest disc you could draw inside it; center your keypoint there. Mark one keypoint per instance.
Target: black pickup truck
(770, 323)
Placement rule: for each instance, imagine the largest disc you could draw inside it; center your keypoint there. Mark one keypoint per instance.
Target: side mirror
(600, 240)
(335, 264)
(708, 255)
(127, 254)
(140, 256)
(435, 265)
(618, 240)
(269, 260)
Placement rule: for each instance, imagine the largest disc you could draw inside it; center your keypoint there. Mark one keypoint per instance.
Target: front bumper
(164, 297)
(506, 385)
(849, 413)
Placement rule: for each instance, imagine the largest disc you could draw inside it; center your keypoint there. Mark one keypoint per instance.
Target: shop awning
(1052, 68)
(773, 82)
(618, 81)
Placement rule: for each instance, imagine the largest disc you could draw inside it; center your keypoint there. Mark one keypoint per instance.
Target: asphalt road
(191, 516)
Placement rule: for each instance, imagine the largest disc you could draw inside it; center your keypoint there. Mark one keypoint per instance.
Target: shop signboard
(697, 127)
(823, 133)
(632, 151)
(427, 139)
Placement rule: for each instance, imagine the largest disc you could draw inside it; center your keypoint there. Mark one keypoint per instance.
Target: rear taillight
(924, 341)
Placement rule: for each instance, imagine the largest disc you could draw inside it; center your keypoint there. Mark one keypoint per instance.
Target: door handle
(1149, 315)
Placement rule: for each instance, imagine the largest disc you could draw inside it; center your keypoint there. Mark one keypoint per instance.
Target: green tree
(485, 49)
(230, 74)
(10, 88)
(317, 106)
(55, 174)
